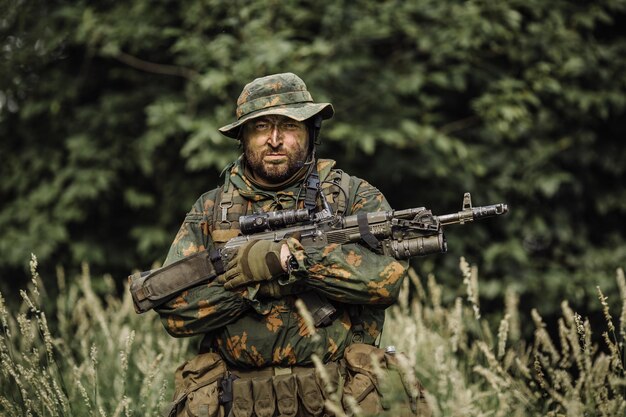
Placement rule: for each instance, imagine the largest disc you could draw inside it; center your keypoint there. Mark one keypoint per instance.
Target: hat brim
(297, 111)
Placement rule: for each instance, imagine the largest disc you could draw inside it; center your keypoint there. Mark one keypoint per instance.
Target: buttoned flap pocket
(361, 385)
(365, 364)
(360, 388)
(203, 402)
(197, 386)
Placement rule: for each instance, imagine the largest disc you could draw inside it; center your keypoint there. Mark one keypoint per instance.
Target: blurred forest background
(109, 114)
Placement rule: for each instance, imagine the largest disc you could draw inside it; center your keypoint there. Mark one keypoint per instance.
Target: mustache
(298, 158)
(280, 150)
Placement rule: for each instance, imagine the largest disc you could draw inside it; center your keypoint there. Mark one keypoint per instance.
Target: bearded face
(275, 147)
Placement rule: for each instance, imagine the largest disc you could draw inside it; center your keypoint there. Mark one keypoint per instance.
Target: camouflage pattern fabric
(284, 94)
(253, 332)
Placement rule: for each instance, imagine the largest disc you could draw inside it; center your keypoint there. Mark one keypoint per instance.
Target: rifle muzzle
(490, 211)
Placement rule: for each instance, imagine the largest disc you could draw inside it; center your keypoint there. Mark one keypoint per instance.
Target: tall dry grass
(471, 370)
(102, 359)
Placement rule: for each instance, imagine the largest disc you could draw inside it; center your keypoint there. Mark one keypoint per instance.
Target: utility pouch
(197, 387)
(374, 396)
(362, 388)
(264, 399)
(310, 395)
(285, 387)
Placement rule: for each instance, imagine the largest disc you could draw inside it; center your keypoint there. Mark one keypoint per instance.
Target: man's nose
(275, 138)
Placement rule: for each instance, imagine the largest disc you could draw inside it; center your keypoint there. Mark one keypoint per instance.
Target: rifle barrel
(475, 213)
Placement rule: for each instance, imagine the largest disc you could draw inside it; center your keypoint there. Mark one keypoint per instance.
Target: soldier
(256, 353)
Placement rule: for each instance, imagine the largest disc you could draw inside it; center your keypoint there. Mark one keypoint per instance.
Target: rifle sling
(364, 231)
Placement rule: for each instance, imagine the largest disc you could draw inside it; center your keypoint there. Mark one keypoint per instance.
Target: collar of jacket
(295, 191)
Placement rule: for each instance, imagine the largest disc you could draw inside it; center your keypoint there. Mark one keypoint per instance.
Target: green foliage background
(109, 114)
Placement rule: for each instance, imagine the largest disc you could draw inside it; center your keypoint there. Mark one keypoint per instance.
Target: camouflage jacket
(249, 331)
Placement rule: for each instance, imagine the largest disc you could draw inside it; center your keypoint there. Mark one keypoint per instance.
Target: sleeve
(352, 273)
(208, 306)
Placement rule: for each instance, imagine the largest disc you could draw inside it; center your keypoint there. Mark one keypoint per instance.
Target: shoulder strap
(337, 191)
(228, 206)
(343, 197)
(312, 188)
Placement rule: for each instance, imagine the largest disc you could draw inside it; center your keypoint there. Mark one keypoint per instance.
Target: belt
(280, 370)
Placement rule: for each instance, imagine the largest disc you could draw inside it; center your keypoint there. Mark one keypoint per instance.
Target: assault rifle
(401, 234)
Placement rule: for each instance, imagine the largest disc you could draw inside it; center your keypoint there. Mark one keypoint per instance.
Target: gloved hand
(272, 289)
(257, 260)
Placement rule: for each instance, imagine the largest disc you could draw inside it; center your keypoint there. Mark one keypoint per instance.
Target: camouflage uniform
(250, 332)
(255, 331)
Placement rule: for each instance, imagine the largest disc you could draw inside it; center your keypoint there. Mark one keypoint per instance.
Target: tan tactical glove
(272, 289)
(257, 260)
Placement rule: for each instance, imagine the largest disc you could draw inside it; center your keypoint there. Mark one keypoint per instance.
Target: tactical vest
(265, 391)
(221, 221)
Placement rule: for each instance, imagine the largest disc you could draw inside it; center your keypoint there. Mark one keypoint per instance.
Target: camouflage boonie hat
(283, 94)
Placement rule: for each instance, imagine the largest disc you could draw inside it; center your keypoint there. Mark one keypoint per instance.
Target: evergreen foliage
(109, 114)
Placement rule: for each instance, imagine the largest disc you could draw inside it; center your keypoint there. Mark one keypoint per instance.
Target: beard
(271, 172)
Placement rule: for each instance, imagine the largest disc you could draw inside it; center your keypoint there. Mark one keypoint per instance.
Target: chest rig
(222, 220)
(222, 223)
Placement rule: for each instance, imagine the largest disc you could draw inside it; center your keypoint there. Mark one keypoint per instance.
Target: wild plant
(102, 360)
(469, 372)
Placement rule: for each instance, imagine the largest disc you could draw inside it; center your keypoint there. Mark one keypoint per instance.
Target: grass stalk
(104, 360)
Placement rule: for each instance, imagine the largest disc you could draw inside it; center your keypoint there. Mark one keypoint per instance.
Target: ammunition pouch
(205, 387)
(278, 391)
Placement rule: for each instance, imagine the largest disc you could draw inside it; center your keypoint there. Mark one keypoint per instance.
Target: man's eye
(261, 126)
